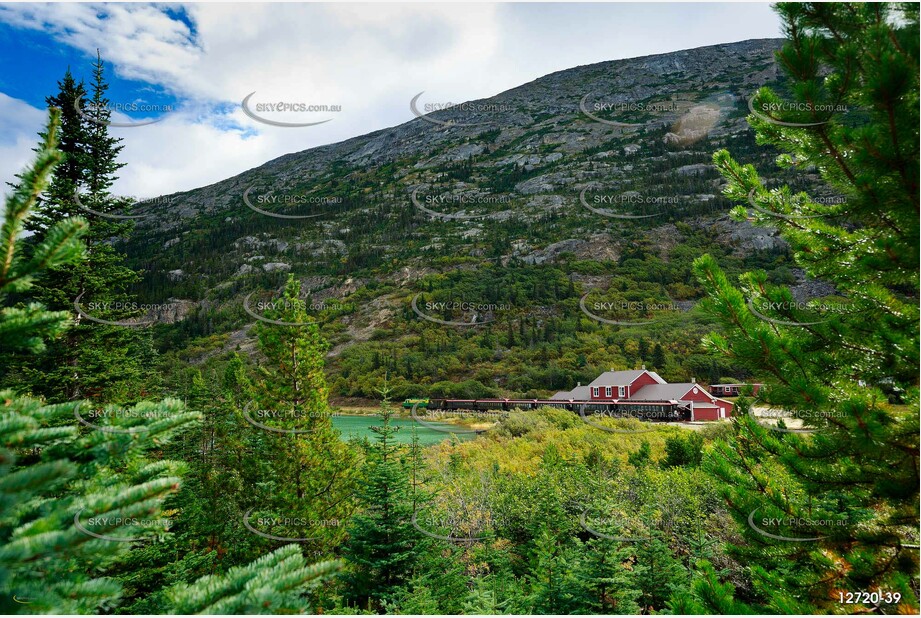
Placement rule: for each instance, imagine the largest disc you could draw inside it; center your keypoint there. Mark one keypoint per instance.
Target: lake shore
(467, 421)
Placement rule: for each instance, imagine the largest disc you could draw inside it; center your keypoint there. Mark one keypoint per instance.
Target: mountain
(507, 211)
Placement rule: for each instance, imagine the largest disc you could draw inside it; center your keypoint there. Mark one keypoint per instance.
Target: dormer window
(607, 391)
(621, 391)
(596, 391)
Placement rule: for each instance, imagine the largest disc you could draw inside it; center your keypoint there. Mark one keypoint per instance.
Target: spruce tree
(72, 500)
(75, 500)
(57, 202)
(856, 474)
(383, 546)
(273, 584)
(104, 362)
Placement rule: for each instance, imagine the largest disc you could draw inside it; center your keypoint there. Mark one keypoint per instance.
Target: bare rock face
(743, 237)
(536, 153)
(695, 125)
(173, 310)
(551, 252)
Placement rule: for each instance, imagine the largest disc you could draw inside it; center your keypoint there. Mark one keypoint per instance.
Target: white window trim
(621, 391)
(607, 391)
(596, 390)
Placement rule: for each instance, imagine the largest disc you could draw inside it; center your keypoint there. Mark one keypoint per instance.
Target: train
(647, 411)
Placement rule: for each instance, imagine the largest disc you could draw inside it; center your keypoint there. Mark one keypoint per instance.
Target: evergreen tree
(658, 357)
(273, 584)
(104, 362)
(383, 546)
(857, 474)
(57, 202)
(308, 472)
(604, 574)
(683, 450)
(71, 500)
(642, 457)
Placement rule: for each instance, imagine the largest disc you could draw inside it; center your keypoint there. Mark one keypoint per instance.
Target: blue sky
(201, 60)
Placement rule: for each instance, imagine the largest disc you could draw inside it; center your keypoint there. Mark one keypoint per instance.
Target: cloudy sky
(191, 65)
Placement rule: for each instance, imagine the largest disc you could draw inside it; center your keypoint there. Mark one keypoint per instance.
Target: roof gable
(667, 392)
(623, 378)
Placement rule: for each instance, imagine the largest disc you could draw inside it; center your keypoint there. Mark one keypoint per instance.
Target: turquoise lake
(360, 427)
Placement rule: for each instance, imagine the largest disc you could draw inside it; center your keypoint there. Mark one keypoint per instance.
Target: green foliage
(26, 328)
(71, 501)
(683, 450)
(94, 360)
(273, 584)
(383, 547)
(855, 476)
(308, 472)
(641, 457)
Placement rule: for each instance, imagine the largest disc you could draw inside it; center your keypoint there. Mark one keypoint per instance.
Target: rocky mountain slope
(583, 166)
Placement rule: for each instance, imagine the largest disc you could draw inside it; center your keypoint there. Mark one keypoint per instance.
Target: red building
(646, 392)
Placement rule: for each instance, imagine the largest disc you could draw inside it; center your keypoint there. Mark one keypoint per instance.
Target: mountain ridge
(614, 200)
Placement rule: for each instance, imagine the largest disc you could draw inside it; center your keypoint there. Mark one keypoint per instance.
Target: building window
(607, 391)
(596, 391)
(620, 391)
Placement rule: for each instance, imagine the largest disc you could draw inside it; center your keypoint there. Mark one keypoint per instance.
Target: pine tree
(273, 584)
(57, 202)
(100, 361)
(54, 475)
(383, 547)
(857, 473)
(308, 470)
(69, 498)
(604, 575)
(658, 357)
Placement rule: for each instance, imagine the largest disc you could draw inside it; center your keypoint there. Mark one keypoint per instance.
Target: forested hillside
(513, 215)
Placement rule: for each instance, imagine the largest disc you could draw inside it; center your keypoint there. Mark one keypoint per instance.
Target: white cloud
(19, 125)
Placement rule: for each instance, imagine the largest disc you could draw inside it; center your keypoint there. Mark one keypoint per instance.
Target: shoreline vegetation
(467, 421)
